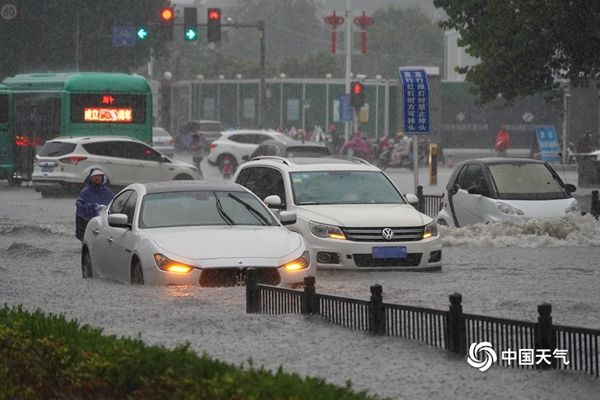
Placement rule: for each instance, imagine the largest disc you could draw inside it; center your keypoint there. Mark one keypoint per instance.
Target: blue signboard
(345, 109)
(548, 143)
(123, 36)
(415, 98)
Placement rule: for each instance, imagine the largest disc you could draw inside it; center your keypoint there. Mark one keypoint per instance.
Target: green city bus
(6, 135)
(48, 105)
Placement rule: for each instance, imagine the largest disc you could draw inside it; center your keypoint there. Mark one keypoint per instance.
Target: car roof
(83, 139)
(249, 131)
(502, 160)
(190, 186)
(289, 142)
(333, 163)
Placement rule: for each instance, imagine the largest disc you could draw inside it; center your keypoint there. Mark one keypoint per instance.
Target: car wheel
(183, 177)
(137, 277)
(442, 222)
(15, 181)
(221, 162)
(87, 271)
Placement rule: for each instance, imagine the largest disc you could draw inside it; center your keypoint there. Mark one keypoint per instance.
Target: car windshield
(201, 208)
(526, 181)
(343, 187)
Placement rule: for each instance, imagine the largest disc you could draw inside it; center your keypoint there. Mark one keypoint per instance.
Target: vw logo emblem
(387, 233)
(240, 262)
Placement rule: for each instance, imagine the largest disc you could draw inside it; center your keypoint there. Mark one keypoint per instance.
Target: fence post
(421, 198)
(595, 207)
(376, 313)
(457, 330)
(545, 338)
(309, 299)
(252, 304)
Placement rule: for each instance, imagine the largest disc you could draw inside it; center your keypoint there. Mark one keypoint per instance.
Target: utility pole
(348, 18)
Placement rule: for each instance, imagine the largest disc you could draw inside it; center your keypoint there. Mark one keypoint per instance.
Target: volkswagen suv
(349, 211)
(63, 163)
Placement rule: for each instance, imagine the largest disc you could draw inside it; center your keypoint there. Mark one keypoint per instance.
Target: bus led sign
(98, 114)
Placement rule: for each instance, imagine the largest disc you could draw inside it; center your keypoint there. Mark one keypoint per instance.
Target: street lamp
(281, 78)
(377, 79)
(328, 76)
(566, 92)
(238, 77)
(221, 77)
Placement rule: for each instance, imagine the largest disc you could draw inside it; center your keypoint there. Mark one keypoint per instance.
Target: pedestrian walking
(502, 142)
(197, 149)
(91, 199)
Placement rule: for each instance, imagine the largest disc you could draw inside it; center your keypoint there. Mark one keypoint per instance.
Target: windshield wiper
(222, 212)
(252, 210)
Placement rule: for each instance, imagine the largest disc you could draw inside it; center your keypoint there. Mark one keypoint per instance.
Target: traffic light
(142, 33)
(167, 19)
(213, 28)
(190, 23)
(357, 94)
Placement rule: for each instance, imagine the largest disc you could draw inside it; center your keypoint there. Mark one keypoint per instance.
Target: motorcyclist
(91, 198)
(357, 146)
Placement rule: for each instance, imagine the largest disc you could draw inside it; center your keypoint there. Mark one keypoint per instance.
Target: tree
(526, 46)
(44, 35)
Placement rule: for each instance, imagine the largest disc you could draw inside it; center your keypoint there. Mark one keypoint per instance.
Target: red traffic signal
(167, 14)
(357, 94)
(213, 26)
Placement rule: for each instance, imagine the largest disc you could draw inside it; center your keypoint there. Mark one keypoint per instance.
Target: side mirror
(245, 158)
(454, 189)
(412, 199)
(118, 221)
(287, 217)
(273, 201)
(570, 188)
(475, 189)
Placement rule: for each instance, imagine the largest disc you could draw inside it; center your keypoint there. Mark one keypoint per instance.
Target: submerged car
(195, 234)
(494, 189)
(349, 211)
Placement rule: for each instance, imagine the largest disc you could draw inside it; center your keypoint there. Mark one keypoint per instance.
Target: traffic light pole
(260, 26)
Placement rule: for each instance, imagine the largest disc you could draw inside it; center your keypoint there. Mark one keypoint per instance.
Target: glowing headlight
(326, 231)
(299, 263)
(430, 230)
(166, 264)
(508, 209)
(574, 208)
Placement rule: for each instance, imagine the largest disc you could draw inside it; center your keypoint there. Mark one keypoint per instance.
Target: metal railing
(550, 346)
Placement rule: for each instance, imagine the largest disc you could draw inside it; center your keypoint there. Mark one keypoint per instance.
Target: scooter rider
(91, 198)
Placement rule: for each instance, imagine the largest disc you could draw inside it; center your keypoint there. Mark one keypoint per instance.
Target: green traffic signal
(142, 33)
(190, 34)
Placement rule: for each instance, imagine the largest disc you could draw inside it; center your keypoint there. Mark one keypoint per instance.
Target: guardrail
(541, 343)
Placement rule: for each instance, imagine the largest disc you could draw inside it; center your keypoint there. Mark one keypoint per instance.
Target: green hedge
(46, 356)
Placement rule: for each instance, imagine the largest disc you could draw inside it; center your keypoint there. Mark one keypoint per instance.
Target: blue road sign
(345, 108)
(123, 36)
(415, 98)
(548, 143)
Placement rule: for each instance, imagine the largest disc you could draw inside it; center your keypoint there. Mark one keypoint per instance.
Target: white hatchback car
(493, 189)
(237, 144)
(62, 164)
(349, 211)
(192, 233)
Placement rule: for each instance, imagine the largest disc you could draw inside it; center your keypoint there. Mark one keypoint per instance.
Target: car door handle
(140, 165)
(95, 231)
(110, 240)
(107, 162)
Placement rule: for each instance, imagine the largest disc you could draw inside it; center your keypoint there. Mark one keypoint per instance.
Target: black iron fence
(513, 343)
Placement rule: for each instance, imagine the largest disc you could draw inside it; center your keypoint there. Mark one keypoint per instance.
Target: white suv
(62, 164)
(238, 143)
(349, 211)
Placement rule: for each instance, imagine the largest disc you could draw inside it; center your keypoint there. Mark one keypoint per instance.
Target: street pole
(566, 95)
(348, 19)
(377, 78)
(77, 46)
(386, 106)
(260, 25)
(281, 77)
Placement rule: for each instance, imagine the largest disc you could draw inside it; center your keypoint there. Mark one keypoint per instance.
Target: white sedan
(195, 234)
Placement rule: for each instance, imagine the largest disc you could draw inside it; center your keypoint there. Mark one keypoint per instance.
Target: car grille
(403, 234)
(366, 260)
(219, 277)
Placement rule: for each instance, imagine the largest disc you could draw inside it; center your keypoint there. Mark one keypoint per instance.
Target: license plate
(47, 168)
(389, 252)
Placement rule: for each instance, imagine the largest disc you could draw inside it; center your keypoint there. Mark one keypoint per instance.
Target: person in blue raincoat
(91, 197)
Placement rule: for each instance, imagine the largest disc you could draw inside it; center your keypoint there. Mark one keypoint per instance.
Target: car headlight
(326, 231)
(430, 230)
(574, 208)
(299, 263)
(166, 264)
(508, 209)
